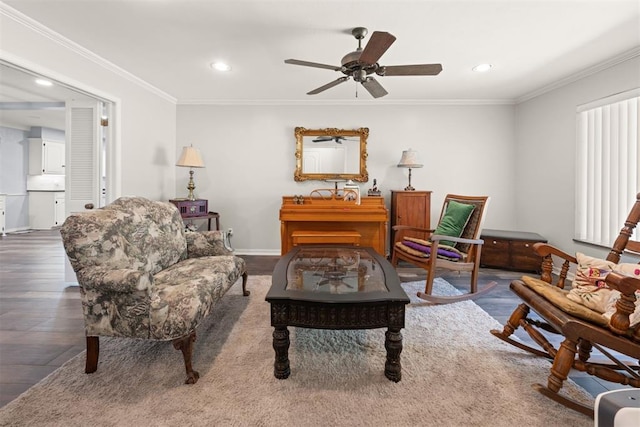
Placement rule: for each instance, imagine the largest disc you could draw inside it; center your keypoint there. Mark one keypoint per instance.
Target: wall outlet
(230, 231)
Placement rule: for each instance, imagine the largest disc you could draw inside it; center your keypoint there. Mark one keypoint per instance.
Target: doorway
(33, 105)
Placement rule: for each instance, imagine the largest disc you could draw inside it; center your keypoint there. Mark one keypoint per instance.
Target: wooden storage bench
(510, 250)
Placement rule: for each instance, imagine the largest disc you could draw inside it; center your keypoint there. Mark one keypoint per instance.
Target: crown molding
(349, 102)
(10, 60)
(618, 59)
(74, 47)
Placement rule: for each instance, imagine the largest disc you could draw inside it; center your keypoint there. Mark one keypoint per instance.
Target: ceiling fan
(360, 63)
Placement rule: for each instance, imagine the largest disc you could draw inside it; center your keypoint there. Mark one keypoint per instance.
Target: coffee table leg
(281, 368)
(393, 344)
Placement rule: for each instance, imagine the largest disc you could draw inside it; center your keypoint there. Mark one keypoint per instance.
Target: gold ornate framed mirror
(331, 153)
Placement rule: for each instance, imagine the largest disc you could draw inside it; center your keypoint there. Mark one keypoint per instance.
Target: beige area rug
(454, 373)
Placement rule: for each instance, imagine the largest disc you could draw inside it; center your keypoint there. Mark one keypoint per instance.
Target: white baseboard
(18, 230)
(263, 252)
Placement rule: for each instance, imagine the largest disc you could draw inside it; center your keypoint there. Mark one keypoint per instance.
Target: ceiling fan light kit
(361, 63)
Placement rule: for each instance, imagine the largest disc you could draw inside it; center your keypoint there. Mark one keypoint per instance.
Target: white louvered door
(82, 162)
(83, 152)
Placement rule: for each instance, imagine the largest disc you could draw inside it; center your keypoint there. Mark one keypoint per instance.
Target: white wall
(482, 149)
(249, 156)
(146, 129)
(545, 155)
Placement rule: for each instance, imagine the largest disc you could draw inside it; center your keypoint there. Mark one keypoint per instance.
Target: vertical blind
(607, 178)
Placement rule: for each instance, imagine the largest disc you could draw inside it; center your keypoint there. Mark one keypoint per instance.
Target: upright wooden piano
(333, 221)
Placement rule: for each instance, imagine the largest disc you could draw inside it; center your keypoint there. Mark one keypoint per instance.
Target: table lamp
(409, 160)
(190, 158)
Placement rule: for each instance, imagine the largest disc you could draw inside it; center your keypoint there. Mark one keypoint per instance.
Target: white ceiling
(24, 103)
(170, 44)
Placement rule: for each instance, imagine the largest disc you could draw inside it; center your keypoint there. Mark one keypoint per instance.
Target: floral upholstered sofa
(141, 275)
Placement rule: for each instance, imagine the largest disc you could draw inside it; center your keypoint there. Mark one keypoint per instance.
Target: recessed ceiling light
(43, 82)
(482, 68)
(221, 66)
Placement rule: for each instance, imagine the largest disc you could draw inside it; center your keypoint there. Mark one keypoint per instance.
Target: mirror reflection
(331, 154)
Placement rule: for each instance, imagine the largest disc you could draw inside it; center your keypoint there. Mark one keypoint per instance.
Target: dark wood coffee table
(326, 287)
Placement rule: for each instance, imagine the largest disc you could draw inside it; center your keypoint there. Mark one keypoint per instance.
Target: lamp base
(191, 186)
(409, 187)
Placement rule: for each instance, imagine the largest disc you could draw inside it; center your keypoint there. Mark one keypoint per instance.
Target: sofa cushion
(184, 293)
(206, 243)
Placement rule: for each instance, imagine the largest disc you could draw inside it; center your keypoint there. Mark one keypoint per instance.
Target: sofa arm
(206, 243)
(105, 279)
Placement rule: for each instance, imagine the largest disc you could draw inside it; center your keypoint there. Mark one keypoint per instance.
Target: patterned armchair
(141, 275)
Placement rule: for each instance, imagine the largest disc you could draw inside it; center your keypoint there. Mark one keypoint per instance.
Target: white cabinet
(59, 215)
(3, 222)
(46, 209)
(46, 157)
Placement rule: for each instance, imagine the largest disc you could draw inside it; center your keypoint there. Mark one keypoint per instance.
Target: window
(607, 178)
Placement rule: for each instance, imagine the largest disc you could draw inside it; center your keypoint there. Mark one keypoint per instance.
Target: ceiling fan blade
(374, 88)
(311, 64)
(322, 139)
(413, 70)
(328, 86)
(377, 45)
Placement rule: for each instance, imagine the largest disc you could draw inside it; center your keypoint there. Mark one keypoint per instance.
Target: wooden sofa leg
(185, 344)
(93, 350)
(245, 292)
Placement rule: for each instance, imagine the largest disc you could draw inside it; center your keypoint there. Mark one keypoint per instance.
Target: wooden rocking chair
(581, 327)
(460, 214)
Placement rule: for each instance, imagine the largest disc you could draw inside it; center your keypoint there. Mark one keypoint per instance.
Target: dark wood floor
(41, 324)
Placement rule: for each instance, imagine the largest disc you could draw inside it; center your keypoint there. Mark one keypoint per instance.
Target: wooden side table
(189, 208)
(209, 216)
(410, 208)
(196, 209)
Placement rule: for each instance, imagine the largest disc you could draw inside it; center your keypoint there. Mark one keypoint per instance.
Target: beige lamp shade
(410, 159)
(190, 158)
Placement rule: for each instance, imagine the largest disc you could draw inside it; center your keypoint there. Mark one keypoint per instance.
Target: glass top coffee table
(332, 287)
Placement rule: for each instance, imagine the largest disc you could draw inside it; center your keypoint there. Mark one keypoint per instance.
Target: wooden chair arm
(545, 249)
(625, 306)
(438, 237)
(627, 285)
(411, 228)
(401, 232)
(547, 252)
